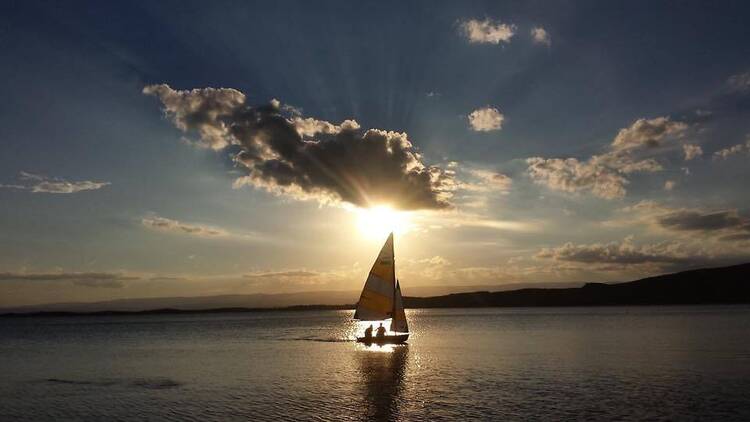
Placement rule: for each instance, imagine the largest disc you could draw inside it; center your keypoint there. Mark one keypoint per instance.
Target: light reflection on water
(605, 363)
(383, 370)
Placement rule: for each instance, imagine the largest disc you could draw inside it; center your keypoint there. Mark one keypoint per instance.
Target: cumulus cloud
(311, 127)
(42, 184)
(309, 158)
(725, 153)
(605, 175)
(691, 151)
(647, 133)
(87, 279)
(486, 119)
(487, 31)
(202, 110)
(174, 226)
(540, 36)
(572, 175)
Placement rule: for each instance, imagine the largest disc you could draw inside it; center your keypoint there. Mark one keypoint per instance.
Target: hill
(725, 285)
(703, 286)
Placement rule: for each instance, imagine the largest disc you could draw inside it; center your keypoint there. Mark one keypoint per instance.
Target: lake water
(612, 363)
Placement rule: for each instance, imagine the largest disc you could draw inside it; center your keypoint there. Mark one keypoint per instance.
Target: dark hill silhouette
(705, 286)
(725, 285)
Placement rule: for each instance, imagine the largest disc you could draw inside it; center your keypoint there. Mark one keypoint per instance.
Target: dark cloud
(737, 237)
(695, 220)
(726, 225)
(309, 158)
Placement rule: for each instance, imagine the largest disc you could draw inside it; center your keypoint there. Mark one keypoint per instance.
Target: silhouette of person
(368, 332)
(381, 331)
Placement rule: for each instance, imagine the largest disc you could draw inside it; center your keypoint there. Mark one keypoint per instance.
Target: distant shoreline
(710, 286)
(172, 311)
(304, 308)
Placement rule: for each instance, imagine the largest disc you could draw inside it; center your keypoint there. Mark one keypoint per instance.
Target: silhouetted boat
(381, 299)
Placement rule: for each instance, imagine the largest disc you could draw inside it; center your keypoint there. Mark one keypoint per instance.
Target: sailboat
(381, 299)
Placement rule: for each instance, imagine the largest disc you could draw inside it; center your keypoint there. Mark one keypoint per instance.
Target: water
(670, 363)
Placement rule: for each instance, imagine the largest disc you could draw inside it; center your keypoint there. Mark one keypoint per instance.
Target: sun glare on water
(377, 222)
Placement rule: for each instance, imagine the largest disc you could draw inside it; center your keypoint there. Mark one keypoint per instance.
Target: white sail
(376, 302)
(398, 323)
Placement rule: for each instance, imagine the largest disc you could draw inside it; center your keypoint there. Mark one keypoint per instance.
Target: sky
(196, 148)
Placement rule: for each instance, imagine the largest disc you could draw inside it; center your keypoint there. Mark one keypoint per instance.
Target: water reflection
(383, 369)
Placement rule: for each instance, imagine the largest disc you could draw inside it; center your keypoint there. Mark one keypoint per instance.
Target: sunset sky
(196, 148)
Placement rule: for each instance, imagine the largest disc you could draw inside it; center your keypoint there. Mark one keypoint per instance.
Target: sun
(376, 222)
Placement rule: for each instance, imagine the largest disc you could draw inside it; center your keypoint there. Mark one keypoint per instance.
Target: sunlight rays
(376, 222)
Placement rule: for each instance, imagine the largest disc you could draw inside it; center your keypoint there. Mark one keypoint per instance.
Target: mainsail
(378, 296)
(398, 323)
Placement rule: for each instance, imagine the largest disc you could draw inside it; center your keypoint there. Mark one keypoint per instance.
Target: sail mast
(393, 254)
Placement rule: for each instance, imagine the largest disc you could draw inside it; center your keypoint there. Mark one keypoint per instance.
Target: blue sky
(104, 195)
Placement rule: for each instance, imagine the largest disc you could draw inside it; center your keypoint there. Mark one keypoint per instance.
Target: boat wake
(324, 340)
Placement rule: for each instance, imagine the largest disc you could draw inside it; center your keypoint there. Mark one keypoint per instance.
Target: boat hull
(394, 339)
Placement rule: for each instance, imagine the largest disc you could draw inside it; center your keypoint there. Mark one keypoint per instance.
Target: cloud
(485, 181)
(540, 36)
(691, 151)
(486, 119)
(312, 127)
(169, 225)
(487, 31)
(692, 220)
(622, 253)
(42, 184)
(739, 82)
(571, 175)
(725, 153)
(174, 226)
(605, 175)
(202, 110)
(724, 225)
(108, 284)
(283, 274)
(281, 155)
(647, 133)
(669, 184)
(87, 279)
(290, 278)
(459, 219)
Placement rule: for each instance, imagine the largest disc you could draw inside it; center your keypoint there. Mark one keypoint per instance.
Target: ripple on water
(484, 365)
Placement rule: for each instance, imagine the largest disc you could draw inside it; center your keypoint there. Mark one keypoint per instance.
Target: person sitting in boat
(381, 331)
(368, 332)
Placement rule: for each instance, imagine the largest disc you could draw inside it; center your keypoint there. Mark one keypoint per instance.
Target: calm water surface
(671, 363)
